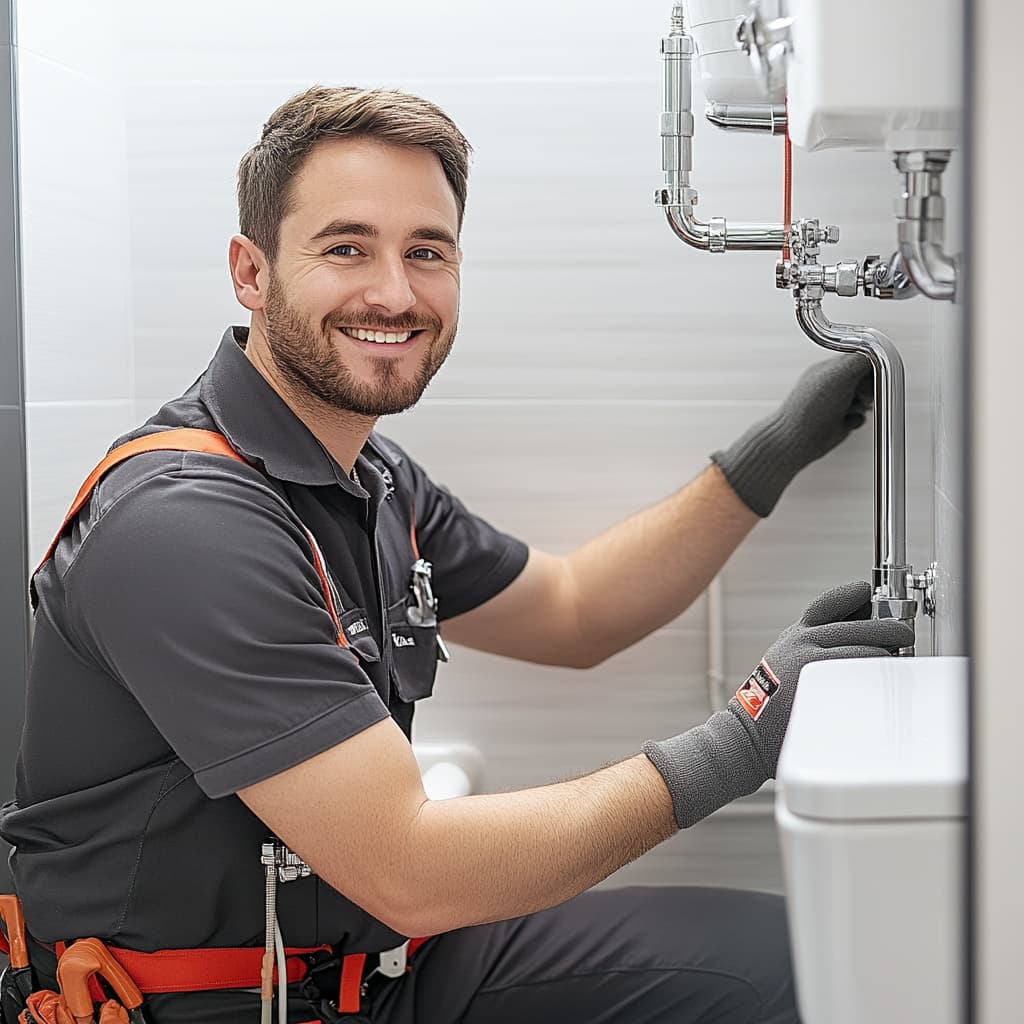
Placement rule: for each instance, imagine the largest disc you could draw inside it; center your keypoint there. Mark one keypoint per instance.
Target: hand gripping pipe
(677, 196)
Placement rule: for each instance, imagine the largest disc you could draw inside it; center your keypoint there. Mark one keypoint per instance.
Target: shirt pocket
(356, 627)
(414, 651)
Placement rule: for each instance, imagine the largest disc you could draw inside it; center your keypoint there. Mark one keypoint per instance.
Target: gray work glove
(828, 400)
(737, 749)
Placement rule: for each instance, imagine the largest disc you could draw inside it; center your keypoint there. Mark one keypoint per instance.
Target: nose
(388, 288)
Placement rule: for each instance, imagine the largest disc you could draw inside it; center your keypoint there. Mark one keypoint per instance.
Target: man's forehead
(362, 181)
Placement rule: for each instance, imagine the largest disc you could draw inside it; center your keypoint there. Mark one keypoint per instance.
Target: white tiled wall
(599, 360)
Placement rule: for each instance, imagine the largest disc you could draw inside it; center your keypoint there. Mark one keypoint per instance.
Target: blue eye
(336, 251)
(425, 254)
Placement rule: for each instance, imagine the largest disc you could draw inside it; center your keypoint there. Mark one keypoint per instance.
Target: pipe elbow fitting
(690, 230)
(932, 271)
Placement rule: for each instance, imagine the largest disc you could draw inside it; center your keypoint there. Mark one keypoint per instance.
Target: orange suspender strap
(184, 439)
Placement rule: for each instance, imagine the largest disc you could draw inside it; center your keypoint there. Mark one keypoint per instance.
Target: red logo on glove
(755, 693)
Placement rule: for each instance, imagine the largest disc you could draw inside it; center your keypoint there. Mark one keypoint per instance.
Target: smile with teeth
(380, 337)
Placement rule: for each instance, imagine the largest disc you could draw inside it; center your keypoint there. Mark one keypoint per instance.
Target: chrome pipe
(748, 117)
(717, 235)
(921, 220)
(678, 196)
(889, 577)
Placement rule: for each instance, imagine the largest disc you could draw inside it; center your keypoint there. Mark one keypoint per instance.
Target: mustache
(365, 318)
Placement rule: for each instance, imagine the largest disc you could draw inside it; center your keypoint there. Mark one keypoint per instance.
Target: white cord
(266, 969)
(282, 975)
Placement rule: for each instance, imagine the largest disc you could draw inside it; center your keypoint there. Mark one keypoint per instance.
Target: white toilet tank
(871, 806)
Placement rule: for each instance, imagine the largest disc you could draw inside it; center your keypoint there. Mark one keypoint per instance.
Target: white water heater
(876, 74)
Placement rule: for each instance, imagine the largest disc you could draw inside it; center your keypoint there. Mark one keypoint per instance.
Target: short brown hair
(267, 171)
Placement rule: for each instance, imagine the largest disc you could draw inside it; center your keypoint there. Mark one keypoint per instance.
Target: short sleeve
(472, 560)
(195, 590)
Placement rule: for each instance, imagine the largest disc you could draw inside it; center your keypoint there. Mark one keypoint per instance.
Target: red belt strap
(196, 970)
(351, 981)
(202, 969)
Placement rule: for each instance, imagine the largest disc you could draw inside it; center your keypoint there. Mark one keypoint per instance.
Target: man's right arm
(358, 815)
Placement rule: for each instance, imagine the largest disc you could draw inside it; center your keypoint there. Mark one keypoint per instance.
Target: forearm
(645, 571)
(489, 858)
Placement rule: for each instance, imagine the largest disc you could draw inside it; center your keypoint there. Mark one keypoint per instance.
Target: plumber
(235, 623)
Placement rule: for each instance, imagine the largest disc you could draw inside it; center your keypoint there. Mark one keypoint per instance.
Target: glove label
(755, 693)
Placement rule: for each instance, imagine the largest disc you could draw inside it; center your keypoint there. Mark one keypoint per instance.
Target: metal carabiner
(424, 611)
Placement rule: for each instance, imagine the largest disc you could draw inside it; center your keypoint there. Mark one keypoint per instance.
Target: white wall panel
(76, 282)
(65, 440)
(82, 36)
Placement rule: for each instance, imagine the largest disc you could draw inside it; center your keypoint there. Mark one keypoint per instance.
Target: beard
(312, 366)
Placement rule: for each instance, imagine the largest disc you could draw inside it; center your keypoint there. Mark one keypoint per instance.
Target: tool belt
(332, 983)
(319, 970)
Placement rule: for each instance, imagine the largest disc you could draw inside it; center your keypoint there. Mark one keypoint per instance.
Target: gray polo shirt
(183, 650)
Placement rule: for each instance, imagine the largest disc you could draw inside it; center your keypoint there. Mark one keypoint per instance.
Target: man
(227, 648)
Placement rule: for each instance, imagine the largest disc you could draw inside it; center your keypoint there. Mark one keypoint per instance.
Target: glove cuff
(707, 767)
(759, 466)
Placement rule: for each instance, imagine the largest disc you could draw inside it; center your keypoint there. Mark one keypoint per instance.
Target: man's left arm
(579, 609)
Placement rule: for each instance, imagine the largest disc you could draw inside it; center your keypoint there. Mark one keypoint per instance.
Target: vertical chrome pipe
(677, 111)
(890, 571)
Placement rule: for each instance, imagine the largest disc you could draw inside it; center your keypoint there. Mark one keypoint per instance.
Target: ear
(250, 272)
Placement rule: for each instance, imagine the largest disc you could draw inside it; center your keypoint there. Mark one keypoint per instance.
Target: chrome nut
(716, 234)
(830, 234)
(677, 196)
(846, 278)
(809, 274)
(894, 608)
(933, 161)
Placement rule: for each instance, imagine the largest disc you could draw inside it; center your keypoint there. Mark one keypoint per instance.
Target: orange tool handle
(14, 922)
(78, 963)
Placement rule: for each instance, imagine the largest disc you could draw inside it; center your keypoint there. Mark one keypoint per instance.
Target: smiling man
(241, 611)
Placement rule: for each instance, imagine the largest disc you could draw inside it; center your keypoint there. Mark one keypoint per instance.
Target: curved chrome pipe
(921, 219)
(932, 271)
(890, 572)
(717, 236)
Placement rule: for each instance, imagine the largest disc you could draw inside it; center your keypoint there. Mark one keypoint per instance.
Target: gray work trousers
(642, 955)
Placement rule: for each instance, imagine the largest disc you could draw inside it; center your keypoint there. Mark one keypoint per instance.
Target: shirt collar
(261, 426)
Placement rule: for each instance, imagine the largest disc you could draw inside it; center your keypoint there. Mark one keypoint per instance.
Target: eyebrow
(362, 230)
